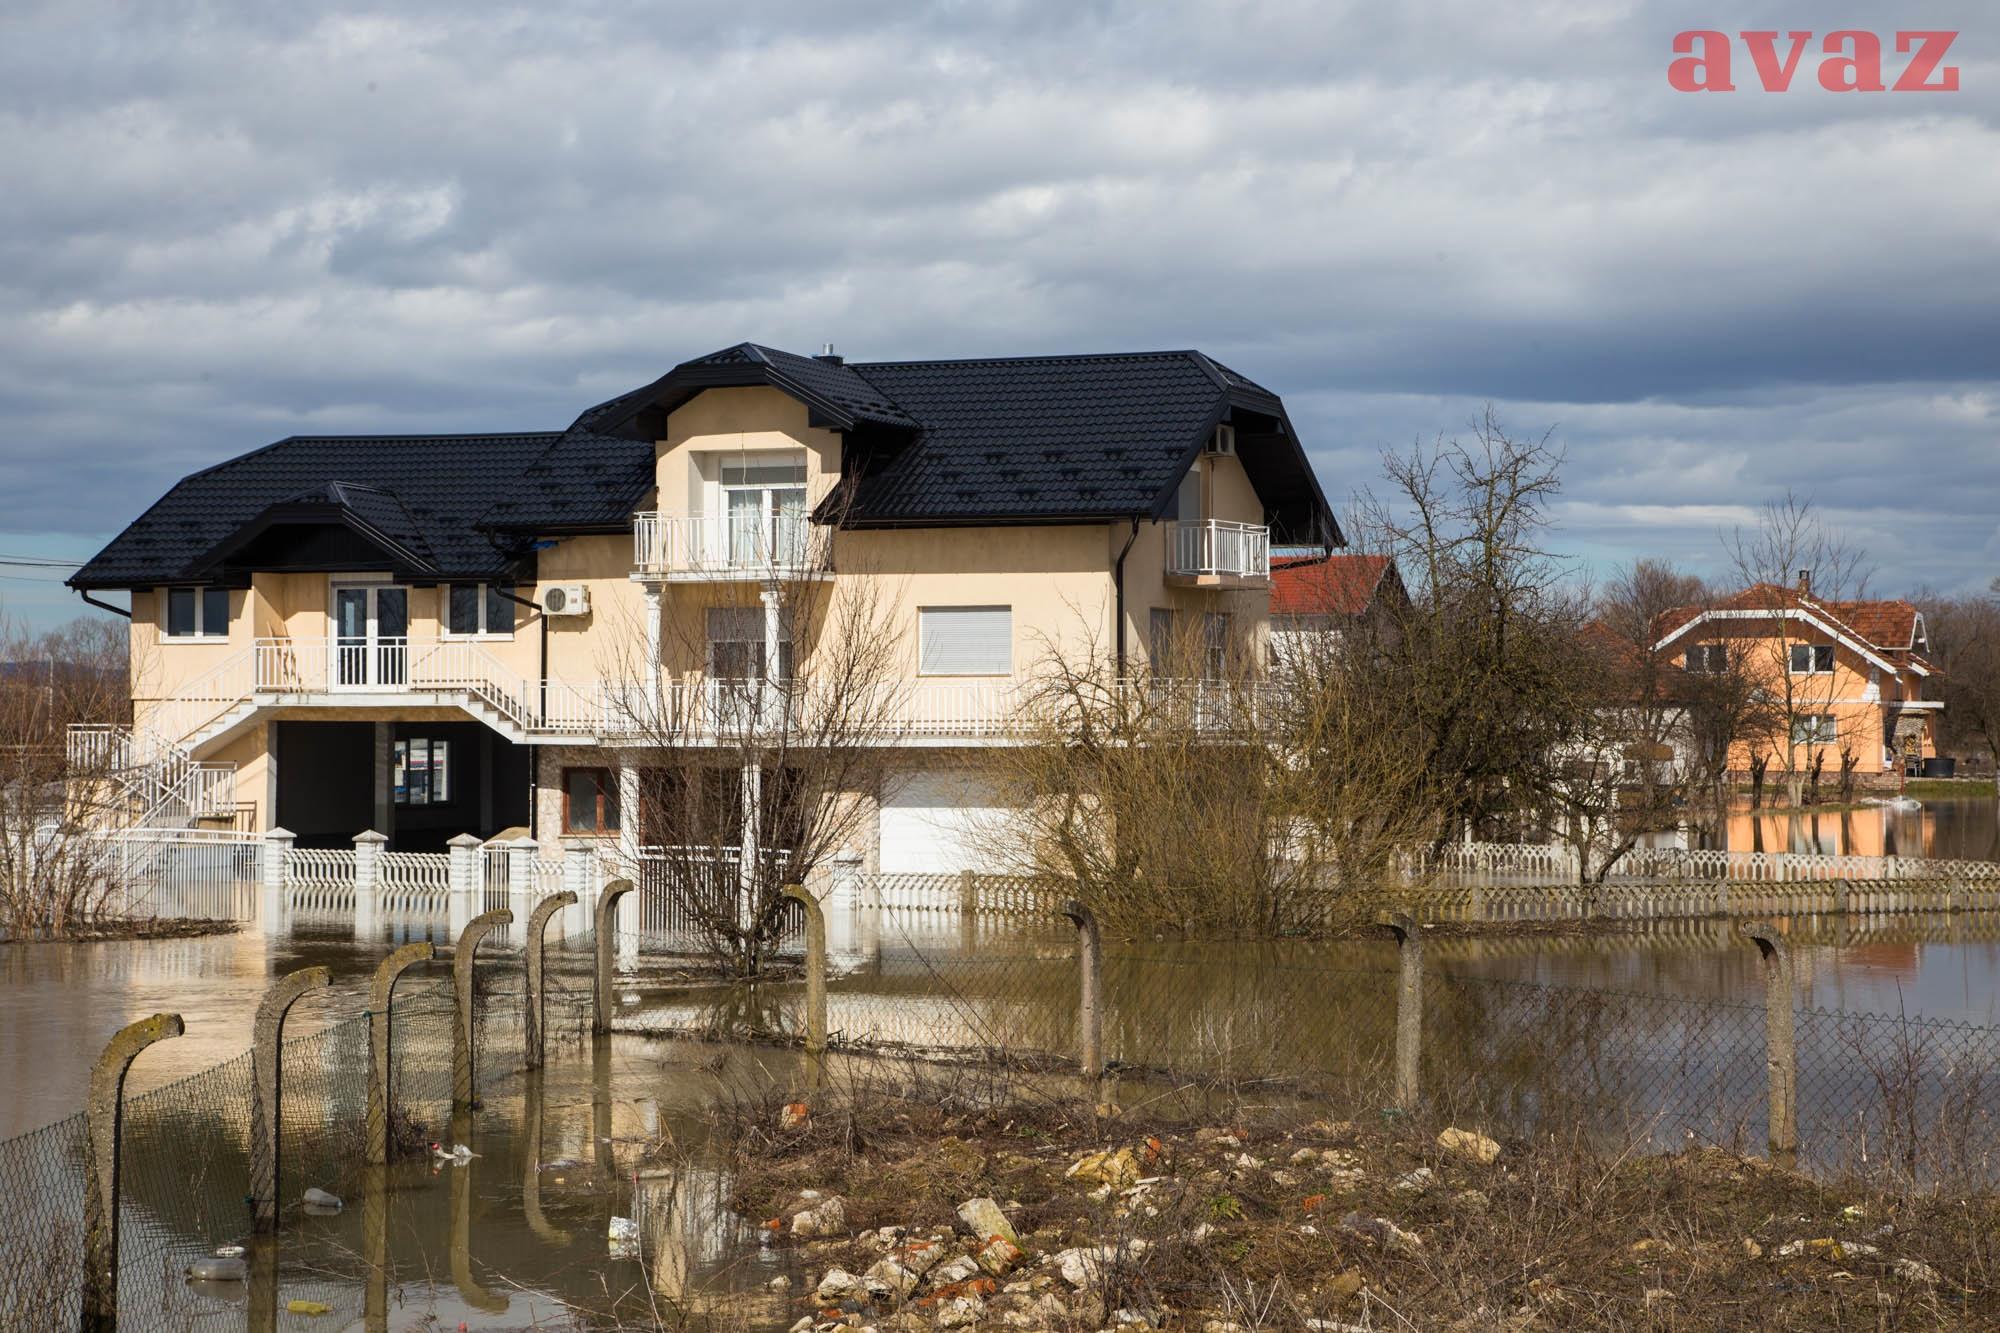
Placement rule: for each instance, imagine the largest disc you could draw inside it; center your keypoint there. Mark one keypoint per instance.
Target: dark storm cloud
(227, 222)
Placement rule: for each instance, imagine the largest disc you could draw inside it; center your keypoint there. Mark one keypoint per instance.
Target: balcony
(1215, 554)
(706, 548)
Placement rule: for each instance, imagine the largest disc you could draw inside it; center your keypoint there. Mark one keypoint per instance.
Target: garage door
(939, 822)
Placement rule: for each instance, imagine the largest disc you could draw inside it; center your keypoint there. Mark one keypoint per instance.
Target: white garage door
(939, 823)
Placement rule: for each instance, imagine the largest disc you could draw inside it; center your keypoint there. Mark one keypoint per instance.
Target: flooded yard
(1658, 1024)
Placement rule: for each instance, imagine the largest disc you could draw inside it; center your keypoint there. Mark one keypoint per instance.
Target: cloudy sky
(223, 223)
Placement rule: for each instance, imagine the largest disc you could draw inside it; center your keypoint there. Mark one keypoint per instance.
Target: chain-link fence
(1875, 1093)
(186, 1172)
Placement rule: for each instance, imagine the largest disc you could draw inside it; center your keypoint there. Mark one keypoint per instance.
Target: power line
(39, 562)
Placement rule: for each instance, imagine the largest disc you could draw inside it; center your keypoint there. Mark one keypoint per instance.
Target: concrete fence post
(464, 1020)
(1090, 989)
(522, 881)
(1780, 1053)
(815, 966)
(267, 1078)
(579, 876)
(1409, 1010)
(105, 1128)
(607, 943)
(464, 876)
(368, 848)
(538, 923)
(381, 994)
(277, 852)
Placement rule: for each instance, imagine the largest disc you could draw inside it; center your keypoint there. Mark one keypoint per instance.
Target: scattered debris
(1470, 1145)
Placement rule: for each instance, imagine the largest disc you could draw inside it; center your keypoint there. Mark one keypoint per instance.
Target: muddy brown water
(60, 1002)
(466, 1246)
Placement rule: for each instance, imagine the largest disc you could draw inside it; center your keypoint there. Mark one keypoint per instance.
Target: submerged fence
(1401, 1024)
(120, 1212)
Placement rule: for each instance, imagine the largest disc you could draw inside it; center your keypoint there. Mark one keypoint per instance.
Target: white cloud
(440, 215)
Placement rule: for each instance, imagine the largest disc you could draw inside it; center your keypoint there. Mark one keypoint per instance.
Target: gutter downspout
(103, 606)
(1118, 582)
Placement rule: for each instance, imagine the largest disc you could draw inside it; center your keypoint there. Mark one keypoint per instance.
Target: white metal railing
(1213, 547)
(711, 546)
(182, 871)
(1558, 861)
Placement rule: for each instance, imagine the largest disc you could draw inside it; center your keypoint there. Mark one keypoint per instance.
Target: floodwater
(1956, 829)
(59, 1003)
(520, 1233)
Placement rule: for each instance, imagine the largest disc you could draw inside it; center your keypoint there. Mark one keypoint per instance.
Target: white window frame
(1713, 657)
(923, 645)
(1823, 729)
(445, 630)
(201, 634)
(1791, 662)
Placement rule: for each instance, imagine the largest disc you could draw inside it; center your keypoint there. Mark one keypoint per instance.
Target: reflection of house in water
(1870, 831)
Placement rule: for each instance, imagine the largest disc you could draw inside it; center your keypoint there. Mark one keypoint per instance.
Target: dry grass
(1552, 1235)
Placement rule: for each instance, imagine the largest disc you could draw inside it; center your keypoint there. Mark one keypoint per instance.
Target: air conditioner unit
(1223, 441)
(565, 599)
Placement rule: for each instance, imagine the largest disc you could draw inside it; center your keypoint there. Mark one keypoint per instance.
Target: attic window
(1812, 659)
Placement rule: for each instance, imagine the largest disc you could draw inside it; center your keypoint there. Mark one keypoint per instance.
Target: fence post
(538, 922)
(578, 866)
(1780, 1054)
(462, 879)
(381, 993)
(277, 850)
(105, 1127)
(1090, 982)
(464, 1071)
(368, 845)
(607, 942)
(267, 1078)
(815, 966)
(1409, 1010)
(521, 878)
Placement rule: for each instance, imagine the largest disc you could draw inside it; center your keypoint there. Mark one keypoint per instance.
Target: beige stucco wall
(1057, 580)
(722, 423)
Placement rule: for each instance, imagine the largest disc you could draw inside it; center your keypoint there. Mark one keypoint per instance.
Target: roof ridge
(1029, 360)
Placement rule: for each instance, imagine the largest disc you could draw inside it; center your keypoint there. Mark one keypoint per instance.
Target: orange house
(1843, 678)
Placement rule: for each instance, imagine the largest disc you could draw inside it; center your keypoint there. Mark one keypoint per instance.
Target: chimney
(1805, 583)
(827, 355)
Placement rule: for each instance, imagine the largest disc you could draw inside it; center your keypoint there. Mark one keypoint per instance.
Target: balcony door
(371, 637)
(765, 511)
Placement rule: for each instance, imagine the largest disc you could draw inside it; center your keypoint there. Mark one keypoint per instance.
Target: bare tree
(1793, 555)
(1483, 655)
(759, 737)
(1964, 638)
(55, 875)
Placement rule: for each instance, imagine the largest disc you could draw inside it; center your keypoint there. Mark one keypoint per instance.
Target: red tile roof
(1886, 624)
(1338, 585)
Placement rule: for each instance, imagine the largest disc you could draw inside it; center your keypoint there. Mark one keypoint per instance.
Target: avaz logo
(1852, 63)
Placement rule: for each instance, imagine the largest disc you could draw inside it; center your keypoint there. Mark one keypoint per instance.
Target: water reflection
(1954, 829)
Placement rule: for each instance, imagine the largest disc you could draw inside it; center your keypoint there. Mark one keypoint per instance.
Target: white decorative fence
(1556, 863)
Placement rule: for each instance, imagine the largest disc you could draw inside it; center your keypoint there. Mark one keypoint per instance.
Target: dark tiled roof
(1022, 439)
(580, 482)
(1039, 437)
(379, 509)
(431, 488)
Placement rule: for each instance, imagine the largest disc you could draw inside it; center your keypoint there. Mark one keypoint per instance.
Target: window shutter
(967, 640)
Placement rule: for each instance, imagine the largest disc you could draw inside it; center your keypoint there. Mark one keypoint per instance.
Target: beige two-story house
(431, 636)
